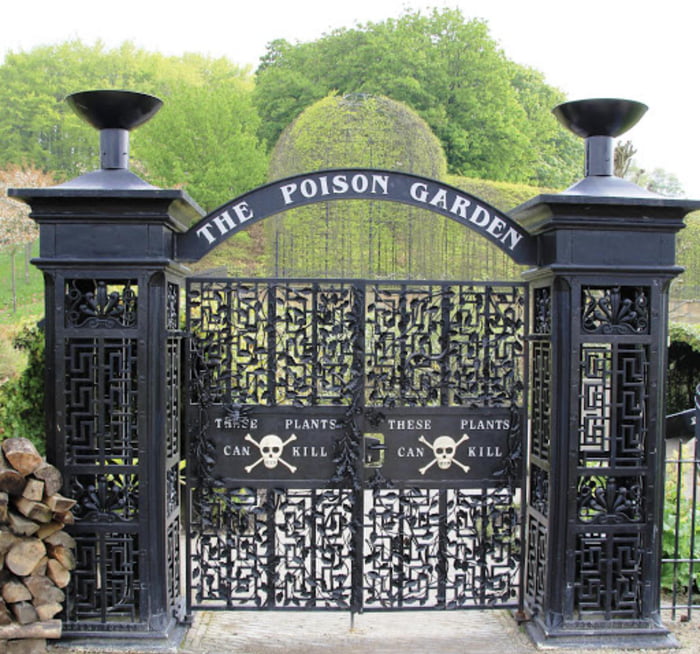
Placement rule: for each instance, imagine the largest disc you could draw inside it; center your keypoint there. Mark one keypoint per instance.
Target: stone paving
(409, 632)
(372, 633)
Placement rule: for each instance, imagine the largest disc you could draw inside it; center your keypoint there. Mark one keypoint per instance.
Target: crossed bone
(465, 437)
(291, 468)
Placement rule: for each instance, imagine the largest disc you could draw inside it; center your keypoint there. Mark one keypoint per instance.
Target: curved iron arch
(356, 184)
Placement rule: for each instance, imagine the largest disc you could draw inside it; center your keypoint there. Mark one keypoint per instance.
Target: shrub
(22, 398)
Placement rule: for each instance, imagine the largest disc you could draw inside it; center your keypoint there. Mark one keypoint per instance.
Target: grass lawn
(30, 289)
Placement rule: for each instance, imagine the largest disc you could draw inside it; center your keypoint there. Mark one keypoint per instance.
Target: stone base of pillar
(609, 634)
(165, 641)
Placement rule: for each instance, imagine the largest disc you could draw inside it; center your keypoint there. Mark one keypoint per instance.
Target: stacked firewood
(36, 554)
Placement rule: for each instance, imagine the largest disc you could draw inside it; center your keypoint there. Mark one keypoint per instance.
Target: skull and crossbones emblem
(271, 447)
(444, 450)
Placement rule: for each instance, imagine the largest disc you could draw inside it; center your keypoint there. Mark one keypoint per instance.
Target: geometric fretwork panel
(101, 400)
(614, 394)
(536, 564)
(105, 584)
(541, 388)
(609, 575)
(172, 396)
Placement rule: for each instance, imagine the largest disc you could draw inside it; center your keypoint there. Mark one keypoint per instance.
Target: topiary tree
(359, 237)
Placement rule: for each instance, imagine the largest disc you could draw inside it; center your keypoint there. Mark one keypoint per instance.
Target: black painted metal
(355, 445)
(353, 184)
(379, 523)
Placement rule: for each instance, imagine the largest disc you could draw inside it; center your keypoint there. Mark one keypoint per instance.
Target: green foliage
(680, 540)
(683, 367)
(492, 116)
(359, 237)
(22, 398)
(205, 137)
(30, 286)
(687, 286)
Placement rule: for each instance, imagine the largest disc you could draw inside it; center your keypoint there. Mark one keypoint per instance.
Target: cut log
(48, 529)
(27, 646)
(34, 490)
(7, 540)
(37, 511)
(66, 518)
(24, 613)
(20, 525)
(15, 591)
(22, 455)
(11, 481)
(5, 617)
(25, 556)
(41, 567)
(64, 555)
(48, 611)
(62, 538)
(46, 629)
(51, 476)
(43, 590)
(57, 573)
(59, 504)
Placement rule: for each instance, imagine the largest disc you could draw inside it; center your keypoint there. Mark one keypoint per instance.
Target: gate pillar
(606, 258)
(112, 357)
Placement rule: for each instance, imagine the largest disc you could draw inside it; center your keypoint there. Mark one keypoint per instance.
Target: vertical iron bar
(357, 488)
(445, 359)
(442, 547)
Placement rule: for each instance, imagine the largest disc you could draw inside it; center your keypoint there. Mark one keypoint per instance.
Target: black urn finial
(599, 121)
(114, 113)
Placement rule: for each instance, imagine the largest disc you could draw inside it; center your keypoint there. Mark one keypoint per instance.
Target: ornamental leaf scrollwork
(609, 500)
(615, 310)
(100, 303)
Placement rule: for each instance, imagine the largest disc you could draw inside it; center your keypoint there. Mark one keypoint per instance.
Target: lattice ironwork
(541, 401)
(536, 563)
(609, 573)
(542, 311)
(355, 539)
(104, 585)
(102, 400)
(614, 404)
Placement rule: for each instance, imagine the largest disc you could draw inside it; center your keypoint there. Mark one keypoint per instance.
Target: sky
(638, 50)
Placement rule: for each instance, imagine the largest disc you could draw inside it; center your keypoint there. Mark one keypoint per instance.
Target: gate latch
(374, 450)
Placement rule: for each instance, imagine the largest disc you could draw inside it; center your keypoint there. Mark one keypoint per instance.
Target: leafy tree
(205, 138)
(38, 128)
(487, 112)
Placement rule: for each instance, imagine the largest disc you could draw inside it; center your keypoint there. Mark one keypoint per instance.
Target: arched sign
(355, 184)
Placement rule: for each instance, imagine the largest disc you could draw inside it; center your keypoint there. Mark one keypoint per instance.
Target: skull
(271, 447)
(444, 450)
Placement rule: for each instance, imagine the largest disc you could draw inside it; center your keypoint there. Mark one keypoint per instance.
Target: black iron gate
(354, 445)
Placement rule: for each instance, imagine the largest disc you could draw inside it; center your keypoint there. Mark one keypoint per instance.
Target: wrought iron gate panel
(353, 502)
